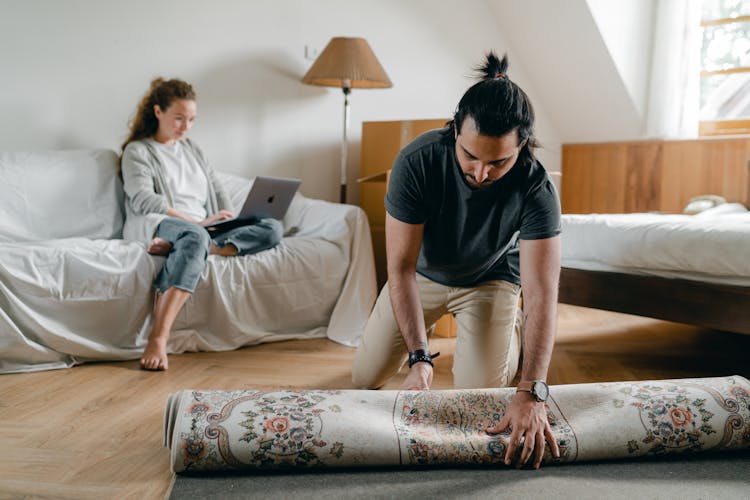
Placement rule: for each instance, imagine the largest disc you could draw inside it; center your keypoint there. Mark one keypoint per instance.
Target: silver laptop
(268, 197)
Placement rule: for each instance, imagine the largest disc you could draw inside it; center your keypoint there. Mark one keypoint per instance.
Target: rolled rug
(249, 430)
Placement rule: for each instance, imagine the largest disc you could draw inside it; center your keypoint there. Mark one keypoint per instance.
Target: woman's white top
(186, 180)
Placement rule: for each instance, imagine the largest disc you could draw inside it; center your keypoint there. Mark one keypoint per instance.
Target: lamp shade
(347, 63)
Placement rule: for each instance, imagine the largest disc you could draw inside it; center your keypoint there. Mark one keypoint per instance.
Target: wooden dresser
(381, 143)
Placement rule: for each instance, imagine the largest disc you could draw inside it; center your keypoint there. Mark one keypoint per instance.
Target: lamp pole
(347, 62)
(347, 89)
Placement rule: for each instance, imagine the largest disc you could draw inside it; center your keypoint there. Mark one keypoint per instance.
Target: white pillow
(236, 187)
(60, 194)
(723, 209)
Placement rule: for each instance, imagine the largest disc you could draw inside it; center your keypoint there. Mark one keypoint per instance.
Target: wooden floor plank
(94, 431)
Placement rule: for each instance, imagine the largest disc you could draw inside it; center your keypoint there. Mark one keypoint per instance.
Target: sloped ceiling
(566, 58)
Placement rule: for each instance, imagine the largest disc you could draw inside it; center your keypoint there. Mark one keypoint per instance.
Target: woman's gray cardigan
(147, 194)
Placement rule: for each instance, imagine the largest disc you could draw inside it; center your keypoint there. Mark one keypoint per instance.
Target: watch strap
(533, 387)
(421, 356)
(525, 386)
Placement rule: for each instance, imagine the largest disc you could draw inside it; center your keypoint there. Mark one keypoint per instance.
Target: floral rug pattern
(246, 429)
(678, 418)
(448, 427)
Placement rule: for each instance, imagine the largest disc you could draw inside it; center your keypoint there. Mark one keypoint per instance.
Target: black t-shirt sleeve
(405, 198)
(541, 213)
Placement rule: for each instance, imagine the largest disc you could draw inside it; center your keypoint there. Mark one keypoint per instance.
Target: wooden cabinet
(381, 143)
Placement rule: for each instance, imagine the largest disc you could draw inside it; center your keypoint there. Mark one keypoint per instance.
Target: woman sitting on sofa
(172, 196)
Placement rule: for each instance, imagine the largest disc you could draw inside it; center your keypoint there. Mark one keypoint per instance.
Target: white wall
(73, 71)
(575, 78)
(627, 29)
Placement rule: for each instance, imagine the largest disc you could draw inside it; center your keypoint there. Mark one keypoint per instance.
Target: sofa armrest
(318, 218)
(347, 227)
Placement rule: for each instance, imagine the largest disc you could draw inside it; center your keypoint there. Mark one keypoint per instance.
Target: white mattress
(712, 246)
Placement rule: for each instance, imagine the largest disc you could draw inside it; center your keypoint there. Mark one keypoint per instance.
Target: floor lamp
(347, 63)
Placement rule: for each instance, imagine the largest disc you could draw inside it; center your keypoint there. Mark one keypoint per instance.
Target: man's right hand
(419, 378)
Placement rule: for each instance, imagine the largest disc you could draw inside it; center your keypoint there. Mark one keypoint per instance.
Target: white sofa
(71, 290)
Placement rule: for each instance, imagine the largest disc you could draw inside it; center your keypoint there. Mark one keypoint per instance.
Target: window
(725, 67)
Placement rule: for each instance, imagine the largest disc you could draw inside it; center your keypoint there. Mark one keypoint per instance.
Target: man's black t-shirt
(470, 234)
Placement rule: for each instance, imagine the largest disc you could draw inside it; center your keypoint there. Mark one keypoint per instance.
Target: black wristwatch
(538, 388)
(421, 356)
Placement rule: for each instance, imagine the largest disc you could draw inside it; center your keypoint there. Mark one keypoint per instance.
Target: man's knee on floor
(367, 379)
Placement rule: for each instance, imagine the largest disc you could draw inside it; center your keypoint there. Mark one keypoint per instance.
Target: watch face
(540, 390)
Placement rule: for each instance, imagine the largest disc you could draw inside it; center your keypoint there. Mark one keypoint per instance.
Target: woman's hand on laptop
(217, 217)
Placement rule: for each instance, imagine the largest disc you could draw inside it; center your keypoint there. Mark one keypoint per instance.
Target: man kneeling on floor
(473, 218)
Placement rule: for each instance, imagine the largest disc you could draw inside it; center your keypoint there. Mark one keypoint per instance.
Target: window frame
(724, 127)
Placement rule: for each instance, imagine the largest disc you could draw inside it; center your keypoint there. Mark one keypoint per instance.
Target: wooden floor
(95, 431)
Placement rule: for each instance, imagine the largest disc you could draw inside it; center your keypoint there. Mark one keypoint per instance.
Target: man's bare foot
(159, 246)
(155, 355)
(227, 250)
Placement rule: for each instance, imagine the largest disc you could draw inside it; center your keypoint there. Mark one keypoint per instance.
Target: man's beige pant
(488, 340)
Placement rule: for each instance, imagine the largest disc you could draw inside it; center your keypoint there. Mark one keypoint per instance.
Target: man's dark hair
(497, 105)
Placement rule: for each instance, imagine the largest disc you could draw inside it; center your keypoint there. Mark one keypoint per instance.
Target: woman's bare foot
(227, 250)
(155, 355)
(159, 246)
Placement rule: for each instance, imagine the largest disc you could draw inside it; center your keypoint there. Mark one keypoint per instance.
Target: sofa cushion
(60, 194)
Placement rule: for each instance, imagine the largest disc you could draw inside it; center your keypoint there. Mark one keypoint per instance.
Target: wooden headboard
(641, 176)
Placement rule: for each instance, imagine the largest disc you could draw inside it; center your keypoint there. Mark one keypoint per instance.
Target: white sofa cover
(71, 290)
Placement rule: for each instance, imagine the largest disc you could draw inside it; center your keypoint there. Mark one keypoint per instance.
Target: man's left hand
(527, 419)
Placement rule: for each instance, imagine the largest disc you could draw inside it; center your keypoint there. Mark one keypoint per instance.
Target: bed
(626, 248)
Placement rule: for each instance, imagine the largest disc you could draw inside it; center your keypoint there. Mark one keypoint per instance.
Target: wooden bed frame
(643, 176)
